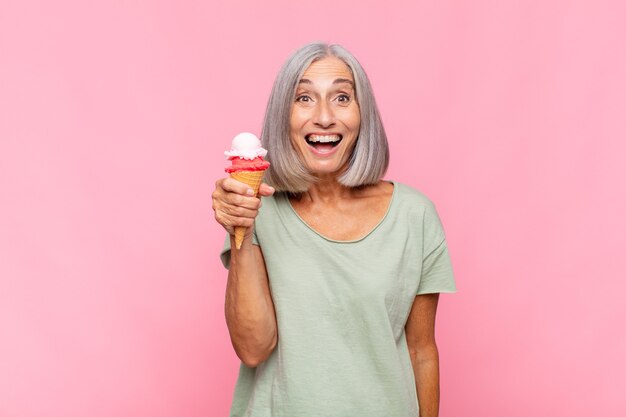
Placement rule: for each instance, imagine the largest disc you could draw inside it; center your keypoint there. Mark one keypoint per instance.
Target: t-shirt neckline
(382, 220)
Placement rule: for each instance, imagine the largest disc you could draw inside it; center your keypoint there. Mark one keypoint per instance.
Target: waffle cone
(253, 179)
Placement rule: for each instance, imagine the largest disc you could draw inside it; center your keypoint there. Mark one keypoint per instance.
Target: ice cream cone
(247, 166)
(253, 179)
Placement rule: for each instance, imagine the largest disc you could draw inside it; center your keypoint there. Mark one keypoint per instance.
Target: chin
(334, 169)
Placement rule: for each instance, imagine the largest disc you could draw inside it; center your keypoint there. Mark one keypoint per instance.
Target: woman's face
(325, 117)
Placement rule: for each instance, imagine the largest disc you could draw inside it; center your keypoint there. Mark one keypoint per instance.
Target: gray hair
(370, 157)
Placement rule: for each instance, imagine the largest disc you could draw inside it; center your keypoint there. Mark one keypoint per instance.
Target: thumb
(266, 190)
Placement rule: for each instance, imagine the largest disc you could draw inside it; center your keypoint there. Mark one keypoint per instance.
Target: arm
(249, 307)
(420, 335)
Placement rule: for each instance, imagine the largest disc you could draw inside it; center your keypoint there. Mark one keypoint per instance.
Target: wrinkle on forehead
(329, 66)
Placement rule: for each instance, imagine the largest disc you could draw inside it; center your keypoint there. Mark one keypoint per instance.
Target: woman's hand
(235, 205)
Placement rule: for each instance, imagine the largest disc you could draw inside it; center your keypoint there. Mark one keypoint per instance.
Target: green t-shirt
(341, 308)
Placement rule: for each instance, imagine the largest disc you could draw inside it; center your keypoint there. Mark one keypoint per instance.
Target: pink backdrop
(113, 118)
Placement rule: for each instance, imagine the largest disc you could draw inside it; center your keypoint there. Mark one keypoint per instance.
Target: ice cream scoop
(246, 146)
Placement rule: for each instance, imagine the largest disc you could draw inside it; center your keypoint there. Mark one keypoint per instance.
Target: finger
(236, 211)
(266, 190)
(237, 187)
(229, 222)
(237, 200)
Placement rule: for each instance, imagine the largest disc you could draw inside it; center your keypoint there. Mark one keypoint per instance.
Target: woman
(331, 300)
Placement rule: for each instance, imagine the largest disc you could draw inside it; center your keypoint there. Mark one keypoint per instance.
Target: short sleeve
(437, 275)
(225, 254)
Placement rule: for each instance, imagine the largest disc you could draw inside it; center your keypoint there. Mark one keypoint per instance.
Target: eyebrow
(337, 81)
(343, 80)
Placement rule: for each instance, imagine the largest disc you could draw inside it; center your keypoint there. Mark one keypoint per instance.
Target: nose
(324, 115)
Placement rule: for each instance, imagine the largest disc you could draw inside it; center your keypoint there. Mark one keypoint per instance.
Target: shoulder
(420, 209)
(412, 196)
(273, 208)
(276, 200)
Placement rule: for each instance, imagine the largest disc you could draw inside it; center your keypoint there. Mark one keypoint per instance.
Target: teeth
(324, 139)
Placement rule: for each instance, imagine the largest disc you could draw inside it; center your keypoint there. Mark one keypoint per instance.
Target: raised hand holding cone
(248, 167)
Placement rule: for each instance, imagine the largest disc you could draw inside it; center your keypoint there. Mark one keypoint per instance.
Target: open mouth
(323, 143)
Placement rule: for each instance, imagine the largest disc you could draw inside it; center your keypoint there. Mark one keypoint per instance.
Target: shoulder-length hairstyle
(370, 157)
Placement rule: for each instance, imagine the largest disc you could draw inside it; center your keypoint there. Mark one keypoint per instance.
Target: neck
(327, 189)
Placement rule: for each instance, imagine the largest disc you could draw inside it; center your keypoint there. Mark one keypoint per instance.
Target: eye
(303, 98)
(343, 98)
